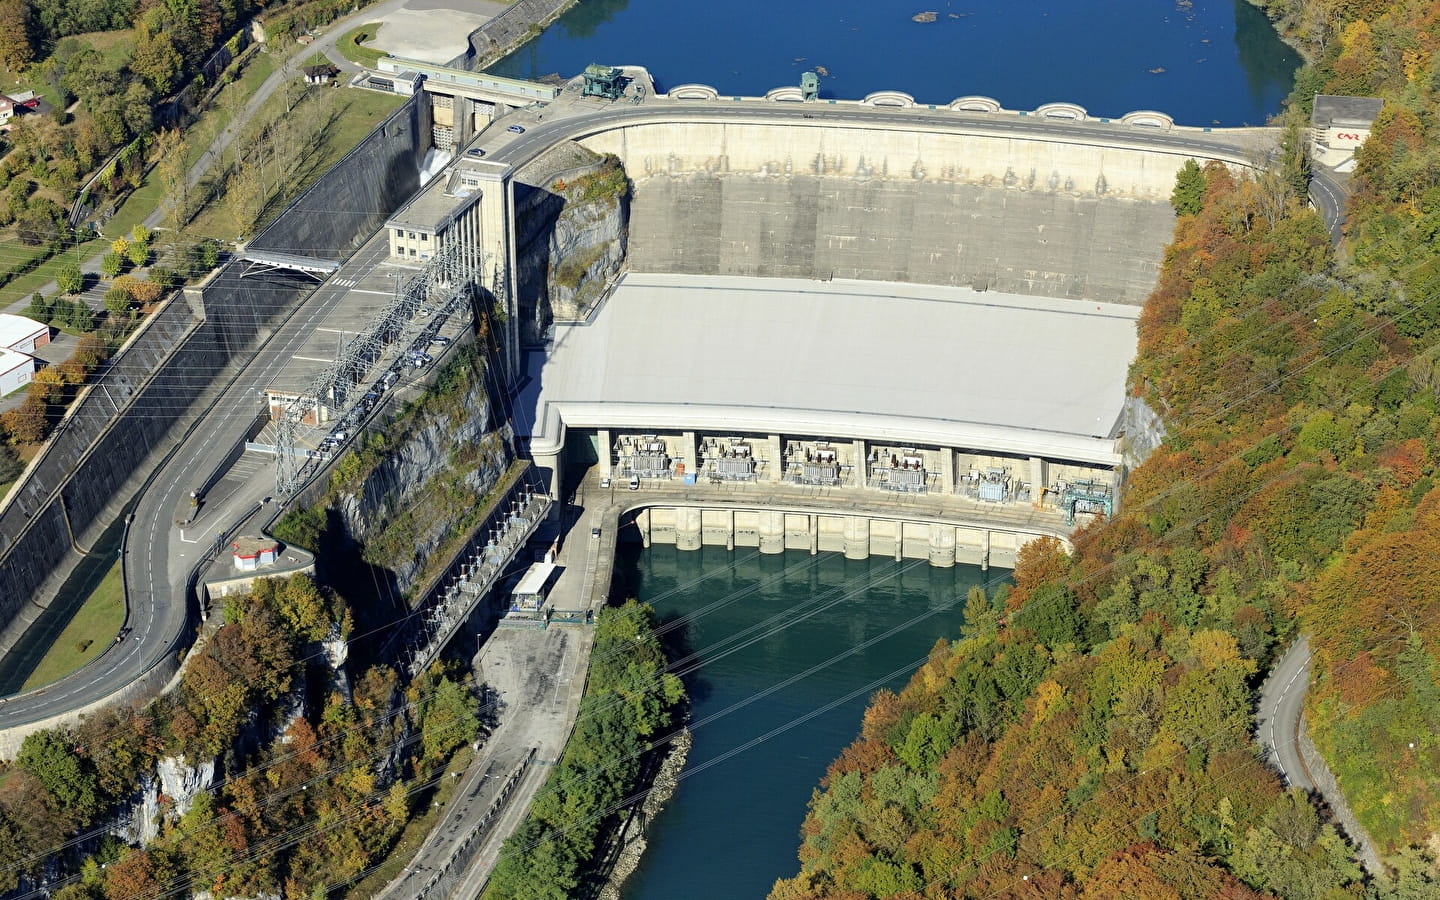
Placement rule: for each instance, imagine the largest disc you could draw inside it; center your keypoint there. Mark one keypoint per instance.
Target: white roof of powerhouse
(881, 360)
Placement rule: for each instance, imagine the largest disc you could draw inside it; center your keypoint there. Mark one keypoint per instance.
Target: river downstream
(790, 648)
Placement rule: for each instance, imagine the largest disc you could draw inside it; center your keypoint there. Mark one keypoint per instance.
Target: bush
(40, 309)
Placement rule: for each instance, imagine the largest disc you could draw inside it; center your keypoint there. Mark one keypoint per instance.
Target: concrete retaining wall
(339, 211)
(1041, 243)
(1066, 163)
(515, 25)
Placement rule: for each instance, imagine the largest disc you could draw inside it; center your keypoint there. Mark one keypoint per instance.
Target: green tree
(1189, 193)
(40, 309)
(117, 301)
(70, 279)
(112, 264)
(1051, 614)
(66, 776)
(448, 720)
(137, 253)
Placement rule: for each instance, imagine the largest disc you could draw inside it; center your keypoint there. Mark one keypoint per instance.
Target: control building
(1343, 123)
(448, 211)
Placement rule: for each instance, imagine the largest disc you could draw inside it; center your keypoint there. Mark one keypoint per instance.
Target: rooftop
(13, 359)
(14, 329)
(881, 360)
(446, 196)
(251, 546)
(535, 578)
(1334, 110)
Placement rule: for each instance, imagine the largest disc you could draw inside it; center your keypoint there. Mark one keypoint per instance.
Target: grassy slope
(88, 634)
(351, 45)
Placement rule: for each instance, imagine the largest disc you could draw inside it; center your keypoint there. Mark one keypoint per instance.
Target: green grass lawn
(88, 635)
(21, 288)
(356, 115)
(351, 46)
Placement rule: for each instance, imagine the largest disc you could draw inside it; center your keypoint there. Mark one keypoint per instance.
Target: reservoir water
(789, 649)
(1202, 61)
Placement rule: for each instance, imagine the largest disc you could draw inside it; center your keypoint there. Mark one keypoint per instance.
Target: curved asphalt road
(1329, 197)
(158, 556)
(1277, 721)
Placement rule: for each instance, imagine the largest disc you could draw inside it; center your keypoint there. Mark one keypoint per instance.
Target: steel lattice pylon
(441, 283)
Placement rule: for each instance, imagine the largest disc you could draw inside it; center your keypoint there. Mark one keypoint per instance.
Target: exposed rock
(173, 779)
(924, 17)
(336, 651)
(570, 242)
(1144, 431)
(401, 509)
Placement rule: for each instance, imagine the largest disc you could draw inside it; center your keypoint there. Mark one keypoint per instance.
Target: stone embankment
(513, 27)
(667, 780)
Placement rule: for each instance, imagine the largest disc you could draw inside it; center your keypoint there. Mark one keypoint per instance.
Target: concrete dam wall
(1049, 218)
(119, 433)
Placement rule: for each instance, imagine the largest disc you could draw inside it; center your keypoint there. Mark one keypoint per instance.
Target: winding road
(1277, 721)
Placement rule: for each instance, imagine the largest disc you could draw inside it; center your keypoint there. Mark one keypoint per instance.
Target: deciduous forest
(1089, 735)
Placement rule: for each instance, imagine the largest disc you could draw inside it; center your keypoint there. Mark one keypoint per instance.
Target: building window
(412, 235)
(412, 251)
(424, 236)
(399, 232)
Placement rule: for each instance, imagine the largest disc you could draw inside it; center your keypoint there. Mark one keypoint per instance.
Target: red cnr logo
(1346, 136)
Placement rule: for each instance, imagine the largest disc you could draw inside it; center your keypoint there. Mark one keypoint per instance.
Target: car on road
(440, 341)
(605, 482)
(516, 129)
(475, 152)
(595, 533)
(634, 482)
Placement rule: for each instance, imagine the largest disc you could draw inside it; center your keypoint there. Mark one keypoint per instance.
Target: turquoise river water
(1202, 61)
(789, 649)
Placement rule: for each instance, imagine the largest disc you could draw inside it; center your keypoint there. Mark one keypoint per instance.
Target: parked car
(634, 482)
(440, 340)
(605, 482)
(476, 152)
(516, 129)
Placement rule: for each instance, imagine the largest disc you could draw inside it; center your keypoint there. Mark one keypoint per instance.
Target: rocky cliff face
(178, 782)
(414, 484)
(572, 214)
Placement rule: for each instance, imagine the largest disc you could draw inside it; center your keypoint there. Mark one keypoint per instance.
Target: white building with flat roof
(22, 334)
(16, 370)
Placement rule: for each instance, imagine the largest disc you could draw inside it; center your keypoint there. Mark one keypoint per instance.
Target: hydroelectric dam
(871, 326)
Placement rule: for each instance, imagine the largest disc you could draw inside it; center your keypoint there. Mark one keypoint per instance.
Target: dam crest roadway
(664, 137)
